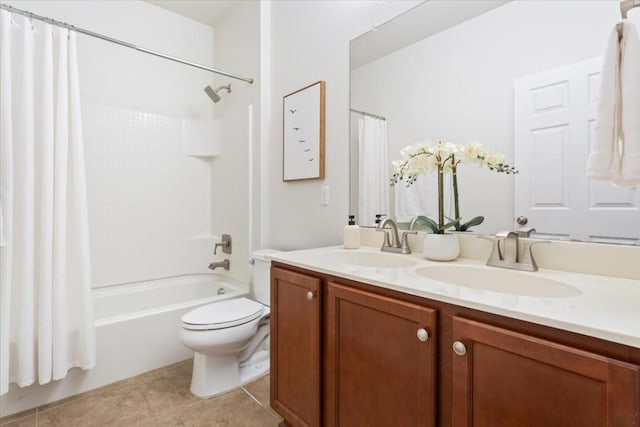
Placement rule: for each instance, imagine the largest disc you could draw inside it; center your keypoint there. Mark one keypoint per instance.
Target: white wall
(149, 204)
(458, 85)
(237, 50)
(310, 42)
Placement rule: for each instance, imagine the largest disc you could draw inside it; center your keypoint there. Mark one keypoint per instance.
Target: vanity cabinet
(506, 378)
(345, 353)
(295, 347)
(380, 360)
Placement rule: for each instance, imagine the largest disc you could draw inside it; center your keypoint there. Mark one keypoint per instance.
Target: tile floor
(159, 398)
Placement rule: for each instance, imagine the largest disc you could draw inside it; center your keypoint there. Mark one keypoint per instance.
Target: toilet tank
(262, 276)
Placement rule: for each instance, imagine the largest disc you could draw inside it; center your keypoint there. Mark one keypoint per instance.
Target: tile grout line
(267, 407)
(252, 396)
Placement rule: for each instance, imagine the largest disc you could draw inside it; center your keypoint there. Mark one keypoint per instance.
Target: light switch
(324, 195)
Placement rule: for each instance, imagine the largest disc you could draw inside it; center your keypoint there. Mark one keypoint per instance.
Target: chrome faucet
(224, 264)
(416, 219)
(391, 242)
(525, 231)
(509, 251)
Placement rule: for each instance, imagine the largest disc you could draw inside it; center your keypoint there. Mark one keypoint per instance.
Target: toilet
(230, 338)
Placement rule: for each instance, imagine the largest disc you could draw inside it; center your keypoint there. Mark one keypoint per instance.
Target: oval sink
(503, 281)
(370, 259)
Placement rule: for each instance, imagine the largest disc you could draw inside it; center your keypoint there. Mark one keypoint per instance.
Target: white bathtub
(121, 303)
(137, 330)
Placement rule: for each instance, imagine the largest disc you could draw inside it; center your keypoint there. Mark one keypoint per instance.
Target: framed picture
(303, 133)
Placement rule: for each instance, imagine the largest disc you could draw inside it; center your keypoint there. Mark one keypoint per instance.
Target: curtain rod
(364, 113)
(119, 42)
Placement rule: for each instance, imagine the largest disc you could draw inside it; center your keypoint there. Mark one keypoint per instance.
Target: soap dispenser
(351, 234)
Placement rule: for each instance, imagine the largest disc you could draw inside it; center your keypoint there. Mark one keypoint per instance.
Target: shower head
(213, 94)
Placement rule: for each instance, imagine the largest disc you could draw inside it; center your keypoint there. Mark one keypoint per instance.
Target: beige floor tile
(260, 389)
(119, 406)
(159, 398)
(233, 409)
(167, 390)
(22, 420)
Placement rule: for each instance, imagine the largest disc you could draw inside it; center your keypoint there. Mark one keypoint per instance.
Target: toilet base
(255, 367)
(216, 374)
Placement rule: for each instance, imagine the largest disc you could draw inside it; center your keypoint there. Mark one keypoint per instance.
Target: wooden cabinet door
(378, 372)
(510, 379)
(295, 347)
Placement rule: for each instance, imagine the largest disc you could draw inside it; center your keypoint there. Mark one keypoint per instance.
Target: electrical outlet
(324, 195)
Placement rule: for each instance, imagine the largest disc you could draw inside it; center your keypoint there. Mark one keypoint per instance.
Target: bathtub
(122, 303)
(137, 330)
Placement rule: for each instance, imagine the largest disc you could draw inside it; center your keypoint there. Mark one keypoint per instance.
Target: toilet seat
(223, 314)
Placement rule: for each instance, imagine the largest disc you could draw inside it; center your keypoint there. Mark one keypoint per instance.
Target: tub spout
(224, 264)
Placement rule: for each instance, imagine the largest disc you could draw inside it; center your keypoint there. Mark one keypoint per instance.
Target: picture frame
(303, 130)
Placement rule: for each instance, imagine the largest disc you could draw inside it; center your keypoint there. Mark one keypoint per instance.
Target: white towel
(629, 174)
(603, 163)
(615, 152)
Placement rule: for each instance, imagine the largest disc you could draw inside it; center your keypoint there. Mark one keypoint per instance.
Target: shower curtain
(46, 315)
(373, 182)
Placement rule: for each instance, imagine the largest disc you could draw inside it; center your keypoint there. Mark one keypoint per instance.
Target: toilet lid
(222, 314)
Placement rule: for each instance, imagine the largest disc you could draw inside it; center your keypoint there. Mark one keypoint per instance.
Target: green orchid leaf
(431, 224)
(474, 221)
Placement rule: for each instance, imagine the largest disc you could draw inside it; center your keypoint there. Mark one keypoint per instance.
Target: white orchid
(473, 152)
(443, 157)
(476, 152)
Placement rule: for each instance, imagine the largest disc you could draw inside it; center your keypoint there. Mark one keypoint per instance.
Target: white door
(553, 128)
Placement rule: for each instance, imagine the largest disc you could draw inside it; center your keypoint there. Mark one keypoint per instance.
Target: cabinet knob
(310, 295)
(459, 348)
(423, 334)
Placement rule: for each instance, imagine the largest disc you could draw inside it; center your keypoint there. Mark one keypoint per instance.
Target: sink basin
(370, 259)
(503, 281)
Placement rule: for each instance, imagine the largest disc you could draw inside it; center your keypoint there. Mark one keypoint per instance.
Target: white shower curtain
(373, 182)
(46, 315)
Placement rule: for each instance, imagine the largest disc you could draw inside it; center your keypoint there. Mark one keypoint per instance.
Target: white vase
(440, 247)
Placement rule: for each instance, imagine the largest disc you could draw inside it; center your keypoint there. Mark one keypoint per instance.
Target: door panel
(379, 372)
(295, 347)
(510, 379)
(553, 128)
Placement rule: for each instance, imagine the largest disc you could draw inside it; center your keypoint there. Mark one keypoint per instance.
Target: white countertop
(598, 306)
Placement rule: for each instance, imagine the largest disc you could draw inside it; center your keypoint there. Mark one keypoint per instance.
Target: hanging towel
(603, 161)
(629, 174)
(615, 152)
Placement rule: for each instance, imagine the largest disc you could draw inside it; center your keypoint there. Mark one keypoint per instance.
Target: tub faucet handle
(225, 244)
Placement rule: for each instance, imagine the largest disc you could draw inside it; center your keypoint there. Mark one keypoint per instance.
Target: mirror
(475, 70)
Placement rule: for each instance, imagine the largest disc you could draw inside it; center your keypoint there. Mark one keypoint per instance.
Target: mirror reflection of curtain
(421, 198)
(46, 317)
(374, 167)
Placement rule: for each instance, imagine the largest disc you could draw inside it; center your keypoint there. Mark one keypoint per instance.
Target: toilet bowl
(230, 338)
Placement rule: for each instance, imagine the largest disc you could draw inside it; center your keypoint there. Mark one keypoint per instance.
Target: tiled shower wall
(149, 200)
